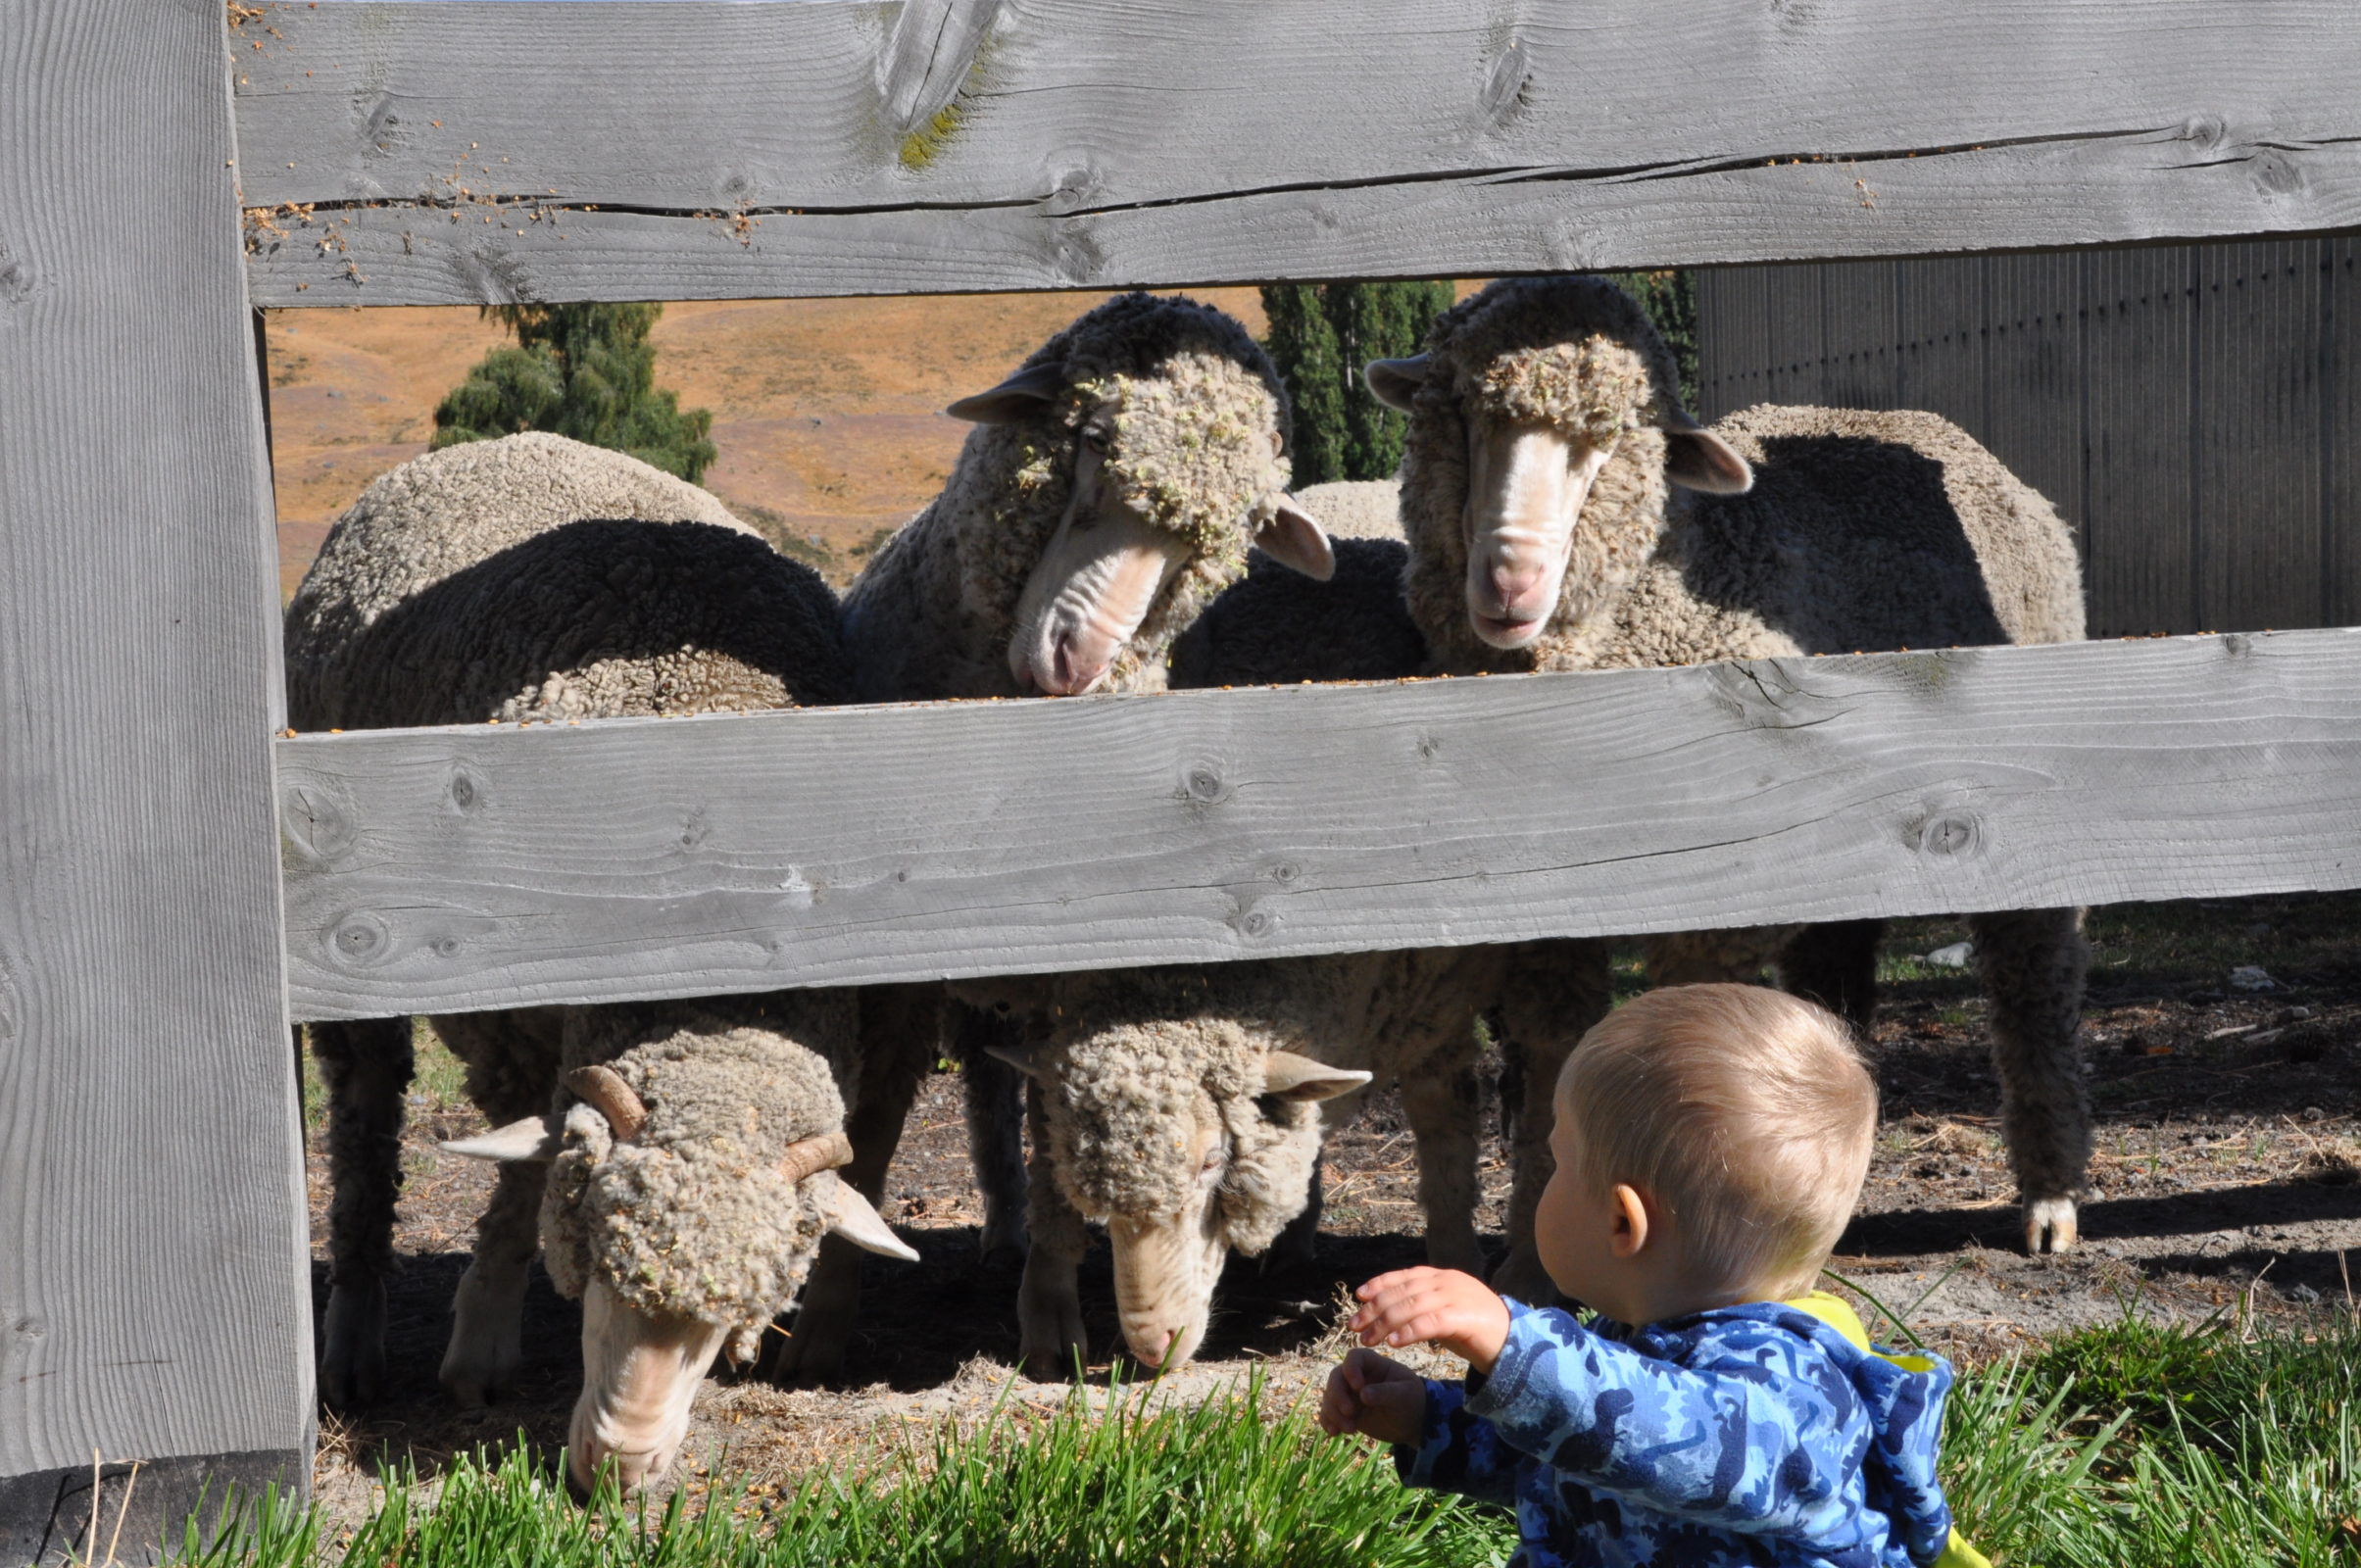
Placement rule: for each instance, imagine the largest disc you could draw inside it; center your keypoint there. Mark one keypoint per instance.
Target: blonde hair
(1744, 1112)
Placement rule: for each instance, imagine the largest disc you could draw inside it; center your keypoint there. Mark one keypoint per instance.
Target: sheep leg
(1440, 1106)
(512, 1059)
(487, 1311)
(996, 1109)
(365, 1068)
(2032, 963)
(1051, 1341)
(1835, 964)
(1552, 993)
(899, 1026)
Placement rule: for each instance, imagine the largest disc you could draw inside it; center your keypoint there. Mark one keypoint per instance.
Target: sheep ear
(1294, 538)
(1018, 397)
(1288, 1076)
(528, 1139)
(1697, 458)
(861, 1225)
(1397, 381)
(1016, 1056)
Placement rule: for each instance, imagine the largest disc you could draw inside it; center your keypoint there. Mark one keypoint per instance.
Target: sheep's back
(488, 581)
(1276, 626)
(1880, 530)
(1356, 509)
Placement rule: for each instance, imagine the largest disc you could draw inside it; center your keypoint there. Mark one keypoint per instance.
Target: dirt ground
(2228, 1178)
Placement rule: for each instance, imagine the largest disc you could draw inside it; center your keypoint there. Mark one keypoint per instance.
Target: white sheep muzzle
(639, 1378)
(1094, 585)
(1526, 486)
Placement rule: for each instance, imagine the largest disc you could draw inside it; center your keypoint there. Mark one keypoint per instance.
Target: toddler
(1711, 1144)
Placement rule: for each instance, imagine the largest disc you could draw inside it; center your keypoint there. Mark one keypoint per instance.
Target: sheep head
(1142, 449)
(1546, 425)
(691, 1183)
(1190, 1137)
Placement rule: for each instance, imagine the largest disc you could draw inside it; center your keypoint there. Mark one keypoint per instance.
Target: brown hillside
(827, 413)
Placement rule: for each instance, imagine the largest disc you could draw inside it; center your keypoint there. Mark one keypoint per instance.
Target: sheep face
(689, 1189)
(1190, 1138)
(1162, 469)
(1547, 425)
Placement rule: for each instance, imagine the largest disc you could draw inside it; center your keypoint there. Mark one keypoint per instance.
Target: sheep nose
(1070, 670)
(1513, 586)
(1149, 1346)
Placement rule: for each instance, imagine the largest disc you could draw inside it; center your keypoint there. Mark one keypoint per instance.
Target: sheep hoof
(2049, 1225)
(474, 1376)
(1052, 1346)
(351, 1347)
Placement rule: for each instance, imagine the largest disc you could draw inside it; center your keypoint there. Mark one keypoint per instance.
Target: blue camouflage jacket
(1759, 1435)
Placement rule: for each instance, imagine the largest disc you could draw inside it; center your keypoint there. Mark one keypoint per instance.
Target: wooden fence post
(154, 1299)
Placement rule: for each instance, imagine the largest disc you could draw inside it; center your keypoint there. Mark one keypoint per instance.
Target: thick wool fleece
(1136, 1056)
(1354, 508)
(1196, 418)
(536, 577)
(1862, 532)
(692, 1218)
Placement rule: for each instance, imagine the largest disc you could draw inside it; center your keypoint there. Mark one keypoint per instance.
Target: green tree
(1320, 335)
(582, 370)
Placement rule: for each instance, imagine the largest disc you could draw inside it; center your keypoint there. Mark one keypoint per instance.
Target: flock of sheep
(1119, 520)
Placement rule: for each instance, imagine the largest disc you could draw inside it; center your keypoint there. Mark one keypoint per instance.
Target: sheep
(1111, 490)
(1181, 1106)
(1563, 512)
(1111, 487)
(534, 578)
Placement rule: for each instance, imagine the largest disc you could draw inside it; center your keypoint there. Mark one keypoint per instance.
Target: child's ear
(1631, 1220)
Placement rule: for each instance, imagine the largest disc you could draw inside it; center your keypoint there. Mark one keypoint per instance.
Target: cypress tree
(582, 370)
(1320, 337)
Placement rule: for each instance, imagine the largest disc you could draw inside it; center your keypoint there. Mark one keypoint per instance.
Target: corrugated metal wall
(2190, 408)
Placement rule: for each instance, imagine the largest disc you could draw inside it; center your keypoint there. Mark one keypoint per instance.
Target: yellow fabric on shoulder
(1837, 1314)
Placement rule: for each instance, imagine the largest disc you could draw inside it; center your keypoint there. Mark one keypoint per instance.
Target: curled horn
(819, 1151)
(604, 1090)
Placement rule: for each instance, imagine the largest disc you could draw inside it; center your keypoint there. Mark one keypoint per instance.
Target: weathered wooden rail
(438, 870)
(455, 152)
(153, 187)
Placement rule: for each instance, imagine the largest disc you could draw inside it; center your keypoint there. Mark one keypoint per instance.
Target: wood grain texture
(154, 1278)
(476, 868)
(768, 149)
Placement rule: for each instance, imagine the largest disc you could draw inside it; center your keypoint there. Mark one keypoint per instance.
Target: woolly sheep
(537, 579)
(1563, 512)
(1111, 487)
(1109, 491)
(1180, 1105)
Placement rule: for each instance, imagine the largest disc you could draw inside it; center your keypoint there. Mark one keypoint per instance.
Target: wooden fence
(156, 186)
(2189, 408)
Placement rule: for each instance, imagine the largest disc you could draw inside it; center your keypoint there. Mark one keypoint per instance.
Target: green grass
(2162, 1447)
(1147, 1482)
(2133, 1443)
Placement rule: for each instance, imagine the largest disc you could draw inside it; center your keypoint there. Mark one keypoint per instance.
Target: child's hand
(1375, 1397)
(1441, 1306)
